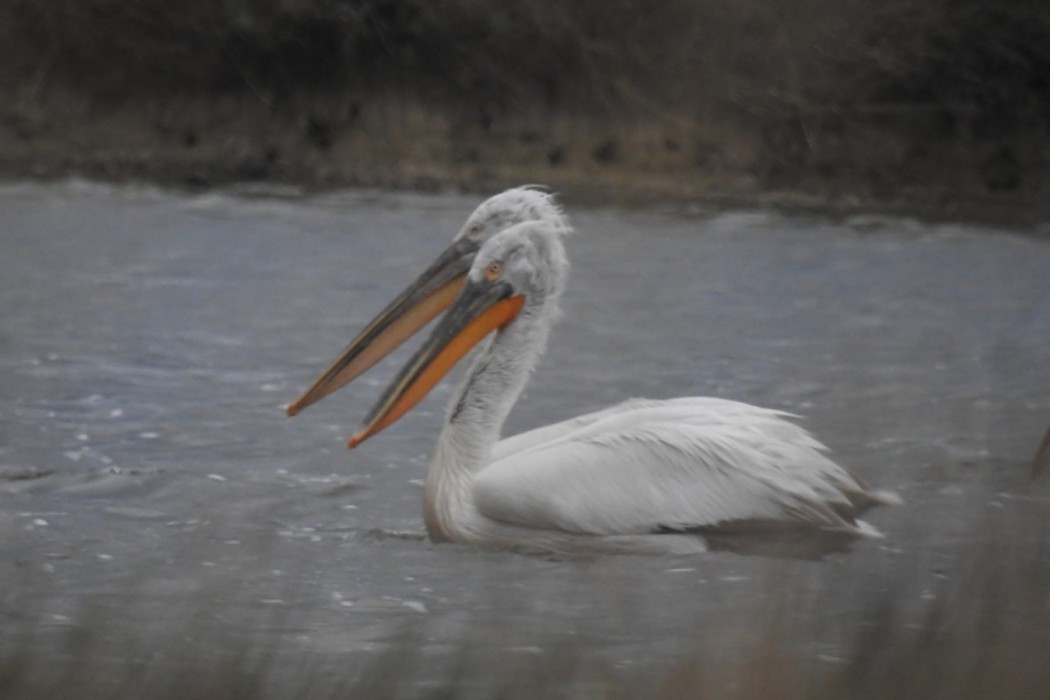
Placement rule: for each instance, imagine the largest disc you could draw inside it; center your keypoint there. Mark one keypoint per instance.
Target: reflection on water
(150, 340)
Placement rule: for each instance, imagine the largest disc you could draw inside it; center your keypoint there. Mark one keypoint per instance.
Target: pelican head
(518, 272)
(433, 291)
(513, 206)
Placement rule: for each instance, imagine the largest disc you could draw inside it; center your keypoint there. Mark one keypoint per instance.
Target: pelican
(645, 476)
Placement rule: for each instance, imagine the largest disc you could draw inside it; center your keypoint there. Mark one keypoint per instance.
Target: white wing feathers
(648, 466)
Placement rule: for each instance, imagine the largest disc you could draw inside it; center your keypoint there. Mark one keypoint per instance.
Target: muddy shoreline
(936, 109)
(391, 143)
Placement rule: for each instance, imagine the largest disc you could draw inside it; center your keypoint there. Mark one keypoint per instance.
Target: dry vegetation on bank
(837, 100)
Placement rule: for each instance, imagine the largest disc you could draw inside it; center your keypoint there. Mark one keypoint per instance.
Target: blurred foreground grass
(985, 633)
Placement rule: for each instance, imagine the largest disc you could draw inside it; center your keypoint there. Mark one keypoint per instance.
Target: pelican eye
(494, 271)
(474, 231)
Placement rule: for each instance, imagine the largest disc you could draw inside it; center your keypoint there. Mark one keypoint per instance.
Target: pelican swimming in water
(674, 476)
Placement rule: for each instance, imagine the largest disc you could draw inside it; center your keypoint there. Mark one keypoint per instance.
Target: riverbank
(934, 108)
(393, 143)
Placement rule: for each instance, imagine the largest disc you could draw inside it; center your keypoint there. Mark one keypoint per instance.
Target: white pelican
(644, 476)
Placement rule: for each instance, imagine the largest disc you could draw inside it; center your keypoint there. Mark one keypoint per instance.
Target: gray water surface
(149, 341)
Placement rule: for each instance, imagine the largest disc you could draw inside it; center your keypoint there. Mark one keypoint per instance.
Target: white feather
(682, 464)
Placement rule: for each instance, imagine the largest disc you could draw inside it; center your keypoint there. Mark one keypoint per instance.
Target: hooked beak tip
(293, 409)
(355, 441)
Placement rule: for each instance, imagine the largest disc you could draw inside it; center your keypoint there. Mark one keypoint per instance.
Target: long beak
(429, 295)
(480, 309)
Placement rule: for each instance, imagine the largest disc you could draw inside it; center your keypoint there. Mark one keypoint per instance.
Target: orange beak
(480, 309)
(424, 299)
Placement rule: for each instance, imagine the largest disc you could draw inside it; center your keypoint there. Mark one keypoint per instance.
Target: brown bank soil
(905, 161)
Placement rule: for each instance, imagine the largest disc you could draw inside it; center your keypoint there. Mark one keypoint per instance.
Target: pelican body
(673, 476)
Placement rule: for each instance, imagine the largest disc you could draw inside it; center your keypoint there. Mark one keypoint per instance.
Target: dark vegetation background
(832, 100)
